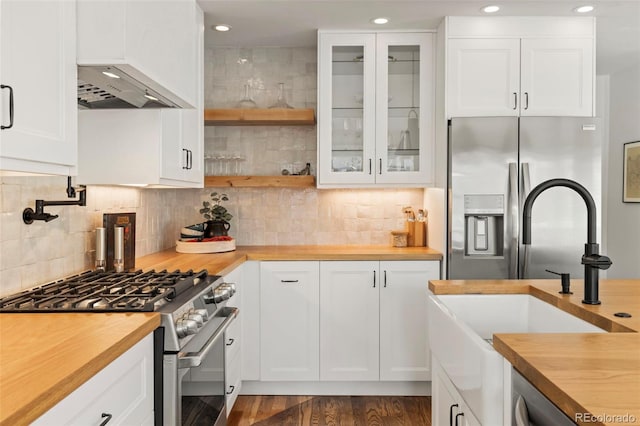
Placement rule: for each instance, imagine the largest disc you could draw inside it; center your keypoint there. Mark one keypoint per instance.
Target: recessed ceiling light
(583, 9)
(490, 9)
(380, 21)
(110, 74)
(222, 27)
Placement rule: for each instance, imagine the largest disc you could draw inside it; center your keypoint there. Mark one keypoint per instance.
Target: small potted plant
(217, 216)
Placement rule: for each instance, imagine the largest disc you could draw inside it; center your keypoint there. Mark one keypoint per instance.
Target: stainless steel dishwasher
(531, 408)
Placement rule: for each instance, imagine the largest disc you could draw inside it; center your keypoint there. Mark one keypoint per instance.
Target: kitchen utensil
(101, 249)
(118, 248)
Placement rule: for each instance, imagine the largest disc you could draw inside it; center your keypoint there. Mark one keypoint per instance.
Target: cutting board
(205, 246)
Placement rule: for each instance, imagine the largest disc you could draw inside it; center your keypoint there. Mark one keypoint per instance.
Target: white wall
(623, 219)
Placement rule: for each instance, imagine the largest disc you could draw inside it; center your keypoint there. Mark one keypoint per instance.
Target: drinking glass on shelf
(209, 165)
(236, 160)
(247, 101)
(281, 102)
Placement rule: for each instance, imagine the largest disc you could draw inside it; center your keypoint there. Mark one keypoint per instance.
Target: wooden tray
(205, 246)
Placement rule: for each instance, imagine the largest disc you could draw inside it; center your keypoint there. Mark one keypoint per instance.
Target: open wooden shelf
(259, 117)
(290, 181)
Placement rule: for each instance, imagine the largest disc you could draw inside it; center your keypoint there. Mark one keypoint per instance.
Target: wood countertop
(222, 263)
(591, 374)
(593, 378)
(44, 357)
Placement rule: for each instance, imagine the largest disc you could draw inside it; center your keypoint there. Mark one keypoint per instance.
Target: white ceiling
(295, 22)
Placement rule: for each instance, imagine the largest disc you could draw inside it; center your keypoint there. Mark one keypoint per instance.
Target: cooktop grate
(104, 292)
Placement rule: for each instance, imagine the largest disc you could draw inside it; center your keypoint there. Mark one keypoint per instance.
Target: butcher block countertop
(596, 374)
(45, 357)
(222, 263)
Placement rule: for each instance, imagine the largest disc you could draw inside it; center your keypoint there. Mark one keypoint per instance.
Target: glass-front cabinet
(375, 109)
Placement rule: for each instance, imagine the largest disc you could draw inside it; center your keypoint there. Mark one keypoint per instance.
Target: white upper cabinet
(557, 77)
(375, 109)
(139, 147)
(526, 66)
(151, 41)
(483, 77)
(38, 96)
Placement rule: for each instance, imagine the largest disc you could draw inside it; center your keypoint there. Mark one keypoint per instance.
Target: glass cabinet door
(347, 107)
(375, 109)
(404, 122)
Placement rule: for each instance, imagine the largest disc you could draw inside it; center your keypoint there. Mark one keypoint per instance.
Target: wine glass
(247, 101)
(281, 102)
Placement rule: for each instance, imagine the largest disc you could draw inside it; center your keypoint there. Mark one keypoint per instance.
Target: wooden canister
(420, 235)
(399, 238)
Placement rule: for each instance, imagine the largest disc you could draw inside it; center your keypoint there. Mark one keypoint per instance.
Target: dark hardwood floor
(265, 410)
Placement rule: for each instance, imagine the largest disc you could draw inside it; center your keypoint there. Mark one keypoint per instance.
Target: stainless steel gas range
(189, 357)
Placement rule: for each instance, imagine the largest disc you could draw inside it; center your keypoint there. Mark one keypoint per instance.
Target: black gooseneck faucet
(591, 260)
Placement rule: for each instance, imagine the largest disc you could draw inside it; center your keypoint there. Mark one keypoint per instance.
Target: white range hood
(136, 54)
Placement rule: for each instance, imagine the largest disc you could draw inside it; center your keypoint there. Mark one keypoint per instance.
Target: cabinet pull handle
(374, 279)
(288, 281)
(458, 415)
(230, 391)
(385, 279)
(230, 342)
(189, 159)
(380, 166)
(107, 420)
(515, 100)
(369, 165)
(3, 86)
(451, 413)
(186, 159)
(526, 100)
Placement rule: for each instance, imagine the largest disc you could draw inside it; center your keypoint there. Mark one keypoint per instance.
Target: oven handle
(196, 360)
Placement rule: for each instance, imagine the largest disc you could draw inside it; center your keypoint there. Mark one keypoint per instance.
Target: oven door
(195, 378)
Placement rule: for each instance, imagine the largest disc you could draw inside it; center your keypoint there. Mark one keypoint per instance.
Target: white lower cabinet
(349, 321)
(233, 342)
(448, 407)
(289, 325)
(121, 392)
(373, 318)
(404, 342)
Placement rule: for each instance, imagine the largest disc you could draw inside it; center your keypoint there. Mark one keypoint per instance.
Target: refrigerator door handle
(526, 189)
(513, 219)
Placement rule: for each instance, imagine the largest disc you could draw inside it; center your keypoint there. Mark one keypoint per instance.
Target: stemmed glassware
(281, 102)
(247, 101)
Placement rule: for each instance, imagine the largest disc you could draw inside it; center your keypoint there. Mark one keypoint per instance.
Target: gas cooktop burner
(105, 292)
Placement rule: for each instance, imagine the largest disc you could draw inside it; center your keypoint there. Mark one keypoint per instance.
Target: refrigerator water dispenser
(484, 222)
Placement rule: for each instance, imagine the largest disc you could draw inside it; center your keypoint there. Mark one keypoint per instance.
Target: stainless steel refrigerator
(493, 164)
